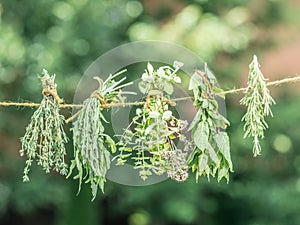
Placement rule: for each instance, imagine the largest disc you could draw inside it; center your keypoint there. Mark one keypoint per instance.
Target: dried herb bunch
(150, 138)
(258, 101)
(91, 143)
(211, 153)
(44, 140)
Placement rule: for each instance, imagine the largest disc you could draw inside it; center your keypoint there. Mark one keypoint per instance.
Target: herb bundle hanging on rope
(44, 140)
(91, 143)
(211, 153)
(151, 137)
(258, 101)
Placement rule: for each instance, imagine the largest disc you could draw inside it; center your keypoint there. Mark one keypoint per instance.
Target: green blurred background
(66, 36)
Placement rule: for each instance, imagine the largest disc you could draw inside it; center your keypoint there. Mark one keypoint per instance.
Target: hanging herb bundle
(211, 153)
(91, 143)
(258, 101)
(151, 137)
(44, 140)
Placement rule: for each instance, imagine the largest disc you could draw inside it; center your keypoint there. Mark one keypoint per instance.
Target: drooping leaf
(223, 172)
(222, 141)
(196, 120)
(201, 135)
(111, 143)
(203, 162)
(213, 155)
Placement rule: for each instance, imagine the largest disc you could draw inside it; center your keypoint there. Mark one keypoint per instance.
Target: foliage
(152, 138)
(152, 135)
(65, 36)
(91, 143)
(160, 80)
(258, 101)
(211, 153)
(44, 140)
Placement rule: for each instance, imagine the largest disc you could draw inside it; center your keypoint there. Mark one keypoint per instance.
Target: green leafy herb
(258, 101)
(91, 143)
(150, 138)
(211, 152)
(161, 79)
(44, 140)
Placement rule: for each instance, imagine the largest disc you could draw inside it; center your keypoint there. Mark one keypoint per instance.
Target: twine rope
(109, 105)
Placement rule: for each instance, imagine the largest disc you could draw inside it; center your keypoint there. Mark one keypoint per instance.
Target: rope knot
(54, 94)
(49, 87)
(98, 96)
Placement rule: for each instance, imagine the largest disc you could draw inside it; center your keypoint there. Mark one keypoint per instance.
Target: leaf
(145, 77)
(222, 141)
(177, 64)
(196, 120)
(161, 72)
(167, 115)
(126, 149)
(192, 156)
(138, 111)
(168, 88)
(143, 87)
(103, 118)
(204, 103)
(218, 91)
(195, 82)
(201, 135)
(154, 114)
(223, 173)
(220, 120)
(111, 143)
(150, 127)
(150, 69)
(213, 155)
(203, 161)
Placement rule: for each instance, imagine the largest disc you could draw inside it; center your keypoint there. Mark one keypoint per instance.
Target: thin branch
(73, 117)
(233, 91)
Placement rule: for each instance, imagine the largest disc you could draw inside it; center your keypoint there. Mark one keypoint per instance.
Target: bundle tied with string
(91, 142)
(44, 140)
(211, 151)
(152, 137)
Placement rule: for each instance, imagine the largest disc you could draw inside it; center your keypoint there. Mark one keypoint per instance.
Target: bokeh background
(66, 36)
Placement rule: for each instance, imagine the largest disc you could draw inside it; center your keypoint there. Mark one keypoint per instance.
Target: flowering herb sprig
(91, 143)
(258, 101)
(150, 138)
(44, 140)
(211, 153)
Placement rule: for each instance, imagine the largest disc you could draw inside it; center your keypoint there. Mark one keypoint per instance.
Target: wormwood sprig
(91, 143)
(150, 138)
(44, 140)
(211, 152)
(258, 101)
